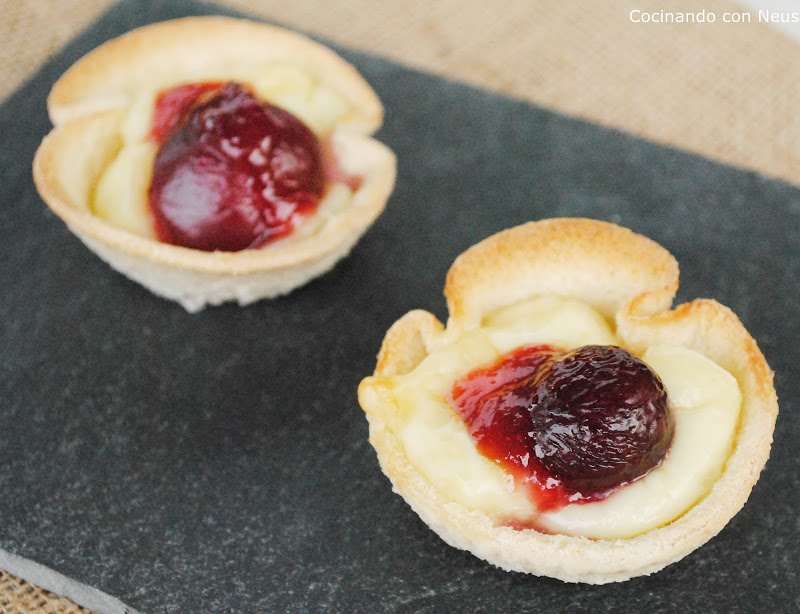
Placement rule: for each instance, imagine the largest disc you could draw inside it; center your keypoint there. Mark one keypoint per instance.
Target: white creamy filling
(704, 399)
(120, 196)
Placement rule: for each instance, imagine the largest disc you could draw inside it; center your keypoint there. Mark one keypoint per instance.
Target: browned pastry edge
(109, 76)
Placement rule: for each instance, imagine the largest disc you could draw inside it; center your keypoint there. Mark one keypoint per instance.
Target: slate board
(219, 462)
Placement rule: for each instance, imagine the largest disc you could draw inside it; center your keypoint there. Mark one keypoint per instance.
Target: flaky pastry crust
(632, 281)
(87, 105)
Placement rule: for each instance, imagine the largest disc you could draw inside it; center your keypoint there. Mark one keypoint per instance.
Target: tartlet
(100, 106)
(628, 280)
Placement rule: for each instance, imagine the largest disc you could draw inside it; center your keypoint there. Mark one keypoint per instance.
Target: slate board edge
(50, 580)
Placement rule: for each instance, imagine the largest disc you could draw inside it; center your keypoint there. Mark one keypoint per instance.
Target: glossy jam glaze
(569, 427)
(173, 105)
(232, 172)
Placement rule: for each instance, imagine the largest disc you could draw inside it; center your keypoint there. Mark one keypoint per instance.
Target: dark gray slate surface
(218, 462)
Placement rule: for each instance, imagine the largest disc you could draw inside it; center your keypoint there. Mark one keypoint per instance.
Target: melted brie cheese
(704, 399)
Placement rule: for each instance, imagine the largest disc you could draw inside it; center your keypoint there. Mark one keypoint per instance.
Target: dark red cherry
(568, 427)
(233, 172)
(599, 418)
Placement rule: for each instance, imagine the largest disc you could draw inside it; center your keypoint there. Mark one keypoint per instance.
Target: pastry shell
(632, 281)
(86, 106)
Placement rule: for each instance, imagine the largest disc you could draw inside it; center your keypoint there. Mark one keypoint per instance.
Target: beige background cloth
(726, 91)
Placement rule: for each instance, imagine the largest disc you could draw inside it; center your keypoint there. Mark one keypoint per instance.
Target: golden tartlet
(630, 281)
(102, 106)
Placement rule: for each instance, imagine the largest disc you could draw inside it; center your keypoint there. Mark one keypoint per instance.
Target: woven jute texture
(723, 90)
(19, 597)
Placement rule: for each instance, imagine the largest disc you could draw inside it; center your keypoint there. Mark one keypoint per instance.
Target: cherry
(232, 172)
(569, 427)
(599, 418)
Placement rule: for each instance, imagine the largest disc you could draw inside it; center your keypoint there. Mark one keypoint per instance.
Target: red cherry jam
(232, 172)
(569, 427)
(172, 107)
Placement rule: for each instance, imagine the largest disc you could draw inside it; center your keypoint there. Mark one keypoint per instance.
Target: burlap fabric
(19, 597)
(723, 90)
